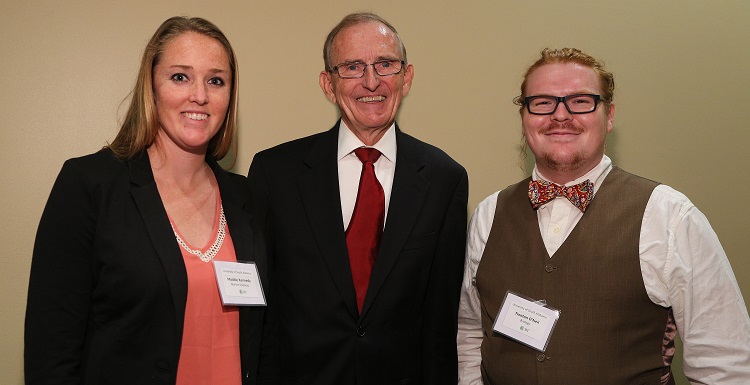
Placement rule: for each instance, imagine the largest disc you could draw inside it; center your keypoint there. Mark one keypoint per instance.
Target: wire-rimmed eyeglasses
(357, 69)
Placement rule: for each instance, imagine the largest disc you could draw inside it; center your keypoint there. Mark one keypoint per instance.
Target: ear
(610, 116)
(408, 77)
(326, 84)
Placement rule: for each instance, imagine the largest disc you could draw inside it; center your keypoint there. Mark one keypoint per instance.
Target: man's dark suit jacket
(108, 284)
(407, 331)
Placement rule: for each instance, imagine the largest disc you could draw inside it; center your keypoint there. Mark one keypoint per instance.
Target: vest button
(550, 268)
(360, 331)
(540, 357)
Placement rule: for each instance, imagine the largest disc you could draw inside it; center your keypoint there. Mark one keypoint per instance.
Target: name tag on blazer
(239, 283)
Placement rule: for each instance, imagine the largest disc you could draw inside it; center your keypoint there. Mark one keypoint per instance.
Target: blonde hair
(141, 122)
(571, 55)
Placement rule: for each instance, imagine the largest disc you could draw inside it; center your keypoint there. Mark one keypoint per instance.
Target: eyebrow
(379, 58)
(583, 92)
(187, 67)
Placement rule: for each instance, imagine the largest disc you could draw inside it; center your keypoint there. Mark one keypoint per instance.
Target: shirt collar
(348, 142)
(595, 175)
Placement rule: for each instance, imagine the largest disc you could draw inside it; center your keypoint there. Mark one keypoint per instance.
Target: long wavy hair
(141, 123)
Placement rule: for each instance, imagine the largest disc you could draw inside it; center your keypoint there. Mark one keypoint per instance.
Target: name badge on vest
(526, 321)
(239, 283)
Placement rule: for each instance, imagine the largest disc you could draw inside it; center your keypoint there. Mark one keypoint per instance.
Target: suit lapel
(319, 189)
(407, 196)
(147, 199)
(233, 200)
(240, 224)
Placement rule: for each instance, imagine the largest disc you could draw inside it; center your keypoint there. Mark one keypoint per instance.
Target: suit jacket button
(550, 268)
(360, 331)
(540, 357)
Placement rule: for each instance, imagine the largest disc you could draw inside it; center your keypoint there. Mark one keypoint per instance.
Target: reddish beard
(559, 162)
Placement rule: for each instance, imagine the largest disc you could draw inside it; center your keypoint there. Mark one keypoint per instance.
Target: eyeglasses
(356, 70)
(575, 104)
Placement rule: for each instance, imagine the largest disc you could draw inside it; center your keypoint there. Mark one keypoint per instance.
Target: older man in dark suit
(367, 228)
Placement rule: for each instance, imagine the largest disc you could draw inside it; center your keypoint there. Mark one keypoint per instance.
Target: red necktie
(541, 192)
(366, 225)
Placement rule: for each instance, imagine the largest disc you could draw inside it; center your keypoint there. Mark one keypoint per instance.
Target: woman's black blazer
(108, 285)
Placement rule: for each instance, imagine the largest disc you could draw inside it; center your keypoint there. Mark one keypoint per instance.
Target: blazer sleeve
(441, 304)
(269, 369)
(61, 281)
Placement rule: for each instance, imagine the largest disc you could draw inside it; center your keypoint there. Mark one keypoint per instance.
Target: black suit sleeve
(443, 292)
(61, 281)
(269, 369)
(259, 197)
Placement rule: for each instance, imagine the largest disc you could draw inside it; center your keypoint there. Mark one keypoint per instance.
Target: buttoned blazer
(407, 330)
(108, 284)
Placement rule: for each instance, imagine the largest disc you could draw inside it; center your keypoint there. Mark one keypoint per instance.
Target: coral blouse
(210, 352)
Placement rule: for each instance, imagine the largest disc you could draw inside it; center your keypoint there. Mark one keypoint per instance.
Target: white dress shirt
(683, 266)
(350, 168)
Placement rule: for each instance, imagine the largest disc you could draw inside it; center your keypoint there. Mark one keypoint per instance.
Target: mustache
(567, 126)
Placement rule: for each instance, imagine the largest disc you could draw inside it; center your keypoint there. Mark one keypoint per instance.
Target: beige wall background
(681, 97)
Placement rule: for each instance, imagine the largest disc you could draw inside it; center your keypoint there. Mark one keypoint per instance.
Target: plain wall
(681, 96)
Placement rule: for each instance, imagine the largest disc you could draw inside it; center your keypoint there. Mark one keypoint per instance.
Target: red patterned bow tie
(541, 192)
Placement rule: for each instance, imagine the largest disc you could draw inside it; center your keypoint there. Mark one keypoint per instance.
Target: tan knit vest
(609, 331)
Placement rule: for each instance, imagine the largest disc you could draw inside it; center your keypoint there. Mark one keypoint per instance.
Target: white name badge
(239, 283)
(528, 322)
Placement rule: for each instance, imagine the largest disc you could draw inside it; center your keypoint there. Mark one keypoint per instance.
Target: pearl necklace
(214, 249)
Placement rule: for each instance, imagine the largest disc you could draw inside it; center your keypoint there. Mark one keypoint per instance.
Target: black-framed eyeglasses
(357, 69)
(575, 104)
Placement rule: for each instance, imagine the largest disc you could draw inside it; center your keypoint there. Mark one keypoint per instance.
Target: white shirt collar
(349, 142)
